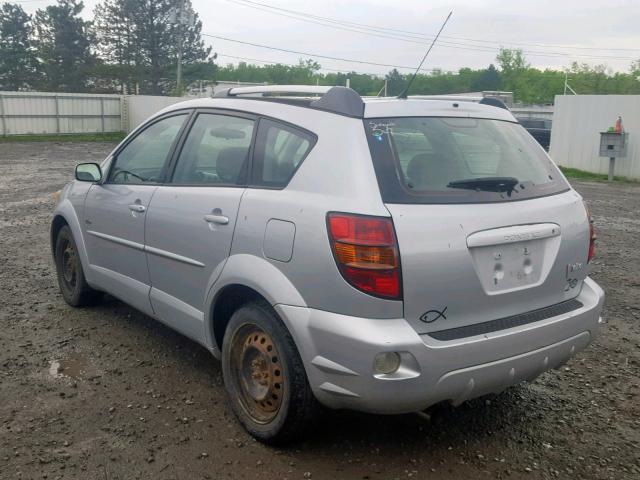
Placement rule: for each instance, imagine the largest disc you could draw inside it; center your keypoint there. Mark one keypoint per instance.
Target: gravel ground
(107, 393)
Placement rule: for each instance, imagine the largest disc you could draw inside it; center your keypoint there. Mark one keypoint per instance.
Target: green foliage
(302, 73)
(574, 173)
(511, 60)
(17, 59)
(140, 39)
(396, 82)
(63, 47)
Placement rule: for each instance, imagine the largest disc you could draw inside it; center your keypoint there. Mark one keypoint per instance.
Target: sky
(552, 33)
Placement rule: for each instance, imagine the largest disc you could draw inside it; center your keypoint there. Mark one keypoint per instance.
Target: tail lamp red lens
(366, 251)
(592, 236)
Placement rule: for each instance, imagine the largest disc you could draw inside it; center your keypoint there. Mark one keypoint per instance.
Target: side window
(216, 151)
(144, 157)
(279, 151)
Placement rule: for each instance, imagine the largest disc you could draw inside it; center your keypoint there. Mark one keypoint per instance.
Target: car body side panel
(183, 250)
(114, 236)
(71, 208)
(256, 273)
(336, 176)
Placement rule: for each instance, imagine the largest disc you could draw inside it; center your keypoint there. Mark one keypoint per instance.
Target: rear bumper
(338, 353)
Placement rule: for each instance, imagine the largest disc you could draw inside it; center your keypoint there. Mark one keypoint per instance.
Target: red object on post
(618, 127)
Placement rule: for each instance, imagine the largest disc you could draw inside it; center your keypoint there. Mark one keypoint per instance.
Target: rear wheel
(264, 376)
(71, 280)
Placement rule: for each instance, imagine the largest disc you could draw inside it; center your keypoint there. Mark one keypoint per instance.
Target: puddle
(75, 366)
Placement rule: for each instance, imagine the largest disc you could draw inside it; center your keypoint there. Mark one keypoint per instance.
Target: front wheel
(71, 280)
(264, 376)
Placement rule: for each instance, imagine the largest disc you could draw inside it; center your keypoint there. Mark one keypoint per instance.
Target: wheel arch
(244, 278)
(65, 214)
(56, 225)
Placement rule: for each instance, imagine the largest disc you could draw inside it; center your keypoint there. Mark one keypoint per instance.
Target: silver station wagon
(374, 254)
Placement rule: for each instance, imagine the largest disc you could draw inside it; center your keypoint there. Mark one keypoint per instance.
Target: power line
(422, 35)
(415, 37)
(272, 62)
(328, 57)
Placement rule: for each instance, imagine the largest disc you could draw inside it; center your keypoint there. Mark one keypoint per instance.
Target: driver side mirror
(88, 172)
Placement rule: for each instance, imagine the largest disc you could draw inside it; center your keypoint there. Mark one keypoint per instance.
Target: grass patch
(596, 177)
(76, 137)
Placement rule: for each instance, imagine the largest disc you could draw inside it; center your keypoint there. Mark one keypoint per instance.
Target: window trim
(310, 136)
(187, 112)
(174, 153)
(175, 157)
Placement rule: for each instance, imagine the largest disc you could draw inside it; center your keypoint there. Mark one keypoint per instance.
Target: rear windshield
(458, 160)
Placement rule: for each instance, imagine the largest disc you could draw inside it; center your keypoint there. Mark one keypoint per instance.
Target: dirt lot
(107, 393)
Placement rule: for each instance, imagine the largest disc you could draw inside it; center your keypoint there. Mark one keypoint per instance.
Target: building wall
(577, 123)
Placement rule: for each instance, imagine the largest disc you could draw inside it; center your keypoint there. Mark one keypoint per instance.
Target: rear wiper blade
(486, 184)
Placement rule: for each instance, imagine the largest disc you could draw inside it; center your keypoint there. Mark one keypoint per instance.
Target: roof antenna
(406, 90)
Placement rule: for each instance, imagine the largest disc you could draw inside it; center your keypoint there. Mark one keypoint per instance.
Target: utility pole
(566, 85)
(180, 44)
(181, 17)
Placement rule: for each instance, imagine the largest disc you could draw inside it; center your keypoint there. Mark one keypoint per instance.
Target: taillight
(366, 251)
(592, 236)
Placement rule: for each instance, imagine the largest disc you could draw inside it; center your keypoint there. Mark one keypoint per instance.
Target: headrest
(230, 162)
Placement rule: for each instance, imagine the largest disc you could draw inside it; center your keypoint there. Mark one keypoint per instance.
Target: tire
(71, 280)
(264, 377)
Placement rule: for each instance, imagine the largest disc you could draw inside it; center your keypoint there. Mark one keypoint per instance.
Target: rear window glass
(458, 160)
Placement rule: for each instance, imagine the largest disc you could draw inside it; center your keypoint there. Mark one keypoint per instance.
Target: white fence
(58, 113)
(137, 108)
(25, 113)
(577, 123)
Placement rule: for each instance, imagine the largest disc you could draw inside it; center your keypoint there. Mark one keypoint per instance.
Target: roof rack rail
(490, 101)
(275, 90)
(340, 100)
(453, 98)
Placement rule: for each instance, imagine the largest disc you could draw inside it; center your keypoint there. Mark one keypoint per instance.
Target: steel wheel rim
(257, 373)
(68, 264)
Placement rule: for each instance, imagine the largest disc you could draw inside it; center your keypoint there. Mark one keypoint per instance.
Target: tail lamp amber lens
(366, 252)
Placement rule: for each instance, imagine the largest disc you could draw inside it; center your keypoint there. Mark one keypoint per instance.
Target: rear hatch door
(468, 264)
(487, 225)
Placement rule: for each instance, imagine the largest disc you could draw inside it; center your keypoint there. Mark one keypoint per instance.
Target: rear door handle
(219, 219)
(137, 208)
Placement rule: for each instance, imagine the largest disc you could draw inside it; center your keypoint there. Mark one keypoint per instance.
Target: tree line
(131, 46)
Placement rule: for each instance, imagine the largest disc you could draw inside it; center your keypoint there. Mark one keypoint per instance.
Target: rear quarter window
(279, 151)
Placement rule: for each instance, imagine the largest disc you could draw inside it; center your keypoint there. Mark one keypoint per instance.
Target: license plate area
(509, 266)
(514, 258)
